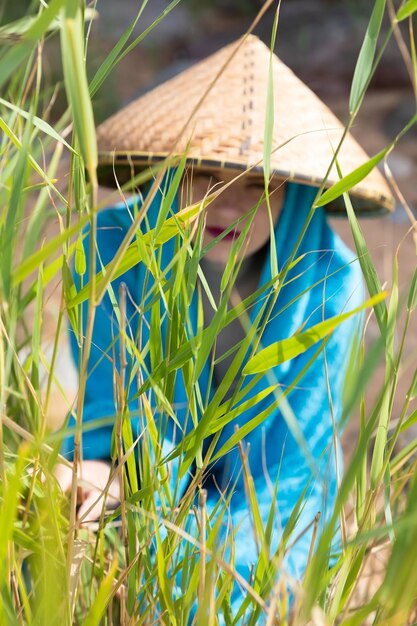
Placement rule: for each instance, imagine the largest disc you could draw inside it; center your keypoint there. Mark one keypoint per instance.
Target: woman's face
(234, 202)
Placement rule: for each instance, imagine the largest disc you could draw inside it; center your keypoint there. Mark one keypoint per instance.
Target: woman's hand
(93, 477)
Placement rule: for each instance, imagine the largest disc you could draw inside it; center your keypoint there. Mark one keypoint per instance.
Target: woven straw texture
(216, 111)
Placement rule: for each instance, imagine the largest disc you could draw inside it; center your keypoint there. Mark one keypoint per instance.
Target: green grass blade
(352, 179)
(199, 434)
(12, 59)
(163, 579)
(399, 587)
(270, 105)
(368, 268)
(235, 250)
(168, 198)
(150, 28)
(412, 419)
(111, 60)
(287, 349)
(45, 18)
(101, 600)
(366, 57)
(131, 258)
(18, 53)
(39, 214)
(76, 84)
(9, 510)
(247, 428)
(43, 24)
(412, 294)
(36, 347)
(32, 263)
(406, 10)
(7, 609)
(117, 54)
(14, 212)
(268, 138)
(15, 140)
(38, 122)
(224, 414)
(361, 614)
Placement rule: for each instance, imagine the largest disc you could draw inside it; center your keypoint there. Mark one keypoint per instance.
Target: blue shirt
(295, 444)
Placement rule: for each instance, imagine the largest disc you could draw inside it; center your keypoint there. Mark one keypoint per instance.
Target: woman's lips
(216, 231)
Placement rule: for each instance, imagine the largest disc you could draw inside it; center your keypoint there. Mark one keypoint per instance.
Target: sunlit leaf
(287, 349)
(406, 10)
(132, 256)
(349, 181)
(102, 598)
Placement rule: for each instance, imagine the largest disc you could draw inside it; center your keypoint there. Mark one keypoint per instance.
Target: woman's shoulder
(118, 216)
(113, 223)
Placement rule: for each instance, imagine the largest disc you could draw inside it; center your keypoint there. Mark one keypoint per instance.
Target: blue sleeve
(99, 404)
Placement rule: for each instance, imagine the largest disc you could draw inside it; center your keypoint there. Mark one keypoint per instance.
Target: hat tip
(250, 38)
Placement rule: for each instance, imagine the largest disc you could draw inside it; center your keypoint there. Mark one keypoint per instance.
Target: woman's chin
(219, 254)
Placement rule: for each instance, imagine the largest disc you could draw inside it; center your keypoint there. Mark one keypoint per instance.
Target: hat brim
(119, 168)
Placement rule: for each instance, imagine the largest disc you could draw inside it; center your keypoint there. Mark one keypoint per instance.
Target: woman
(257, 243)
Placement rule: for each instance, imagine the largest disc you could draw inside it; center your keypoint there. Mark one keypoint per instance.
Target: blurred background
(320, 41)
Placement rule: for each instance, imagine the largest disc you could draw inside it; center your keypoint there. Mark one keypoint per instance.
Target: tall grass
(158, 559)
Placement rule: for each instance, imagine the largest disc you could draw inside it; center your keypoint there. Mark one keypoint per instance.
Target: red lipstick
(216, 231)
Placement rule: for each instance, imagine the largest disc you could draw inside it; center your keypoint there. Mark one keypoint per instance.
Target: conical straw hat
(221, 103)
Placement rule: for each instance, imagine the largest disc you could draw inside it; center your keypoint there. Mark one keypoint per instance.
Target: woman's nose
(232, 200)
